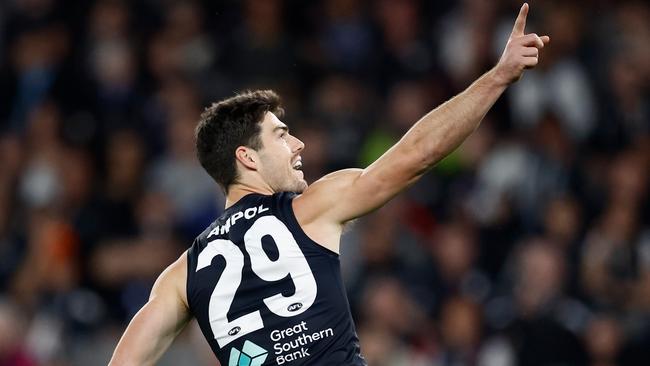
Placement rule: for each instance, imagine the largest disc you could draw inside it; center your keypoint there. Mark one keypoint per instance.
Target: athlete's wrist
(497, 78)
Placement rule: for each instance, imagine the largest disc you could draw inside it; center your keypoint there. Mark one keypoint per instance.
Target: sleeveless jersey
(264, 293)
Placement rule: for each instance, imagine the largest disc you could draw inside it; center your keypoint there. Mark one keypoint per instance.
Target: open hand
(521, 52)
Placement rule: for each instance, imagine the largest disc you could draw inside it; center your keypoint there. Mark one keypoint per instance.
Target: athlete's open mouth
(297, 165)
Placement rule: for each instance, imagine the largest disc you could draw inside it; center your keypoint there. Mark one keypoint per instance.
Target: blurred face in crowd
(460, 323)
(603, 338)
(279, 161)
(541, 276)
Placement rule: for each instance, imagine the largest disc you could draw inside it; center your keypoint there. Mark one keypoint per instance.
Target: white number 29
(291, 261)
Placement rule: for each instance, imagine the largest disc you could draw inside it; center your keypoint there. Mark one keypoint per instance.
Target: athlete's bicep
(160, 320)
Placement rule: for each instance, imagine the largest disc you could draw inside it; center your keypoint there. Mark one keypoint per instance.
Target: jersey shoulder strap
(283, 209)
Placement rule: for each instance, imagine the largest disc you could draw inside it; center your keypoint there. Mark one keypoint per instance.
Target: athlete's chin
(301, 186)
(295, 185)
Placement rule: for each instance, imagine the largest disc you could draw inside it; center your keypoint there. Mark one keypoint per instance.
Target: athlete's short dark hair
(231, 123)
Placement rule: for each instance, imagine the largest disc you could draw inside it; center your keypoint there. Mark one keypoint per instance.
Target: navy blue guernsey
(264, 293)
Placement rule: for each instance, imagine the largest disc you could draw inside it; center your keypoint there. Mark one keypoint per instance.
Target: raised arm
(159, 321)
(347, 194)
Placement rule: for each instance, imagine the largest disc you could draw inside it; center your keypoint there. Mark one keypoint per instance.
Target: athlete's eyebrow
(283, 128)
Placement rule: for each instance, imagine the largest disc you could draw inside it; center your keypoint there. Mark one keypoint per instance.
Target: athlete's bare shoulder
(321, 195)
(314, 206)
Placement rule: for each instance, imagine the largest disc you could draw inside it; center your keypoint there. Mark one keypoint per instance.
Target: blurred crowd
(528, 245)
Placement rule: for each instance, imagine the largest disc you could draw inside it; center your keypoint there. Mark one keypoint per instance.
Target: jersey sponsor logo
(247, 214)
(250, 355)
(293, 343)
(234, 331)
(294, 307)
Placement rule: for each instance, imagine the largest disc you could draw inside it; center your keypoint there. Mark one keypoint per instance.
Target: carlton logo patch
(294, 307)
(234, 331)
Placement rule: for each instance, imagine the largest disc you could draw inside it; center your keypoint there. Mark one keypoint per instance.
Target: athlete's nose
(299, 145)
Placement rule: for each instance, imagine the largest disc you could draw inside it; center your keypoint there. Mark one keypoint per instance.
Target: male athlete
(263, 280)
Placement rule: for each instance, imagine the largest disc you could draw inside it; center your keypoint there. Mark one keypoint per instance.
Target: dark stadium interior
(528, 245)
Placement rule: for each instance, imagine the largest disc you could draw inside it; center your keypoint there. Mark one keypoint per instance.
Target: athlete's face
(280, 161)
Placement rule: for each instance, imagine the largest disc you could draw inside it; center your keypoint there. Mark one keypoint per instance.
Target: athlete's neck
(238, 191)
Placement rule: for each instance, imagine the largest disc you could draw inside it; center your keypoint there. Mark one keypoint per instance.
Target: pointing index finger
(520, 23)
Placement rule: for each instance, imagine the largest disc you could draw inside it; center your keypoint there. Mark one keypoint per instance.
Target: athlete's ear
(247, 157)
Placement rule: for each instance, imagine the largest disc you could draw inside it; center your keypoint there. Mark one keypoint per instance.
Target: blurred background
(529, 245)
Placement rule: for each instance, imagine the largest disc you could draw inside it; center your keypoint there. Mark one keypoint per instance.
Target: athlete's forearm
(443, 129)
